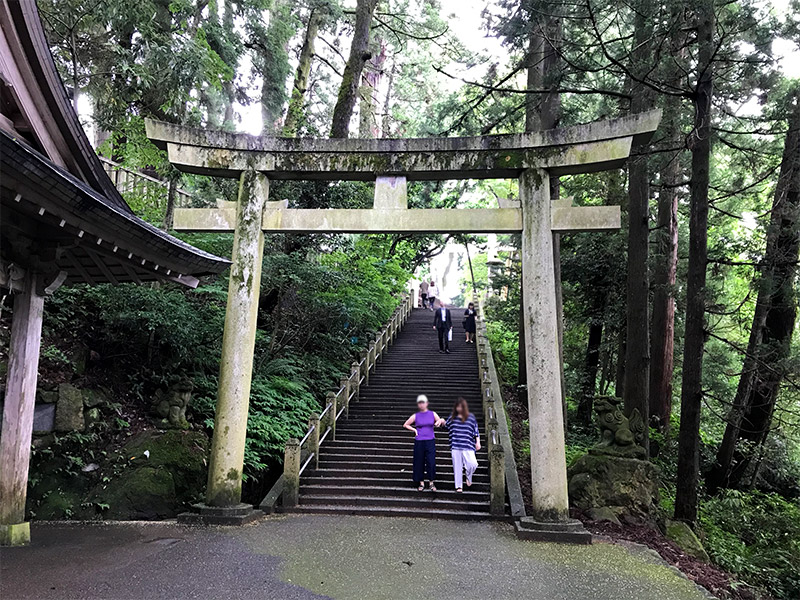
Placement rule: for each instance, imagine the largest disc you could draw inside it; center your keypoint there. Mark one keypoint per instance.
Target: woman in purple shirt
(422, 424)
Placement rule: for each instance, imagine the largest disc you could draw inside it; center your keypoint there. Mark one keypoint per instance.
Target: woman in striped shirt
(464, 441)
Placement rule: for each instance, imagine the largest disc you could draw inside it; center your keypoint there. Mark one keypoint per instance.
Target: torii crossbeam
(531, 157)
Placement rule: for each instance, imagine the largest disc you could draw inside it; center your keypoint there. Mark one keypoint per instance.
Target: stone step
(369, 471)
(423, 500)
(444, 490)
(384, 511)
(323, 479)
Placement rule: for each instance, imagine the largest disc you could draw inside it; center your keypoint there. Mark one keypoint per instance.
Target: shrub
(756, 536)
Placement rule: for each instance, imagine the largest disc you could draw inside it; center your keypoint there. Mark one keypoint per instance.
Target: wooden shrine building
(62, 222)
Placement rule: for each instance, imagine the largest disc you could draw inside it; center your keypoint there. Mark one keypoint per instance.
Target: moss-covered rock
(141, 493)
(626, 485)
(61, 504)
(156, 475)
(683, 536)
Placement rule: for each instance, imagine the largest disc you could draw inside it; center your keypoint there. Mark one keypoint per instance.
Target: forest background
(688, 313)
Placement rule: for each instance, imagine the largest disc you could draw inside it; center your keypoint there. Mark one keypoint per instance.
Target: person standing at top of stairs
(423, 292)
(433, 293)
(422, 424)
(443, 323)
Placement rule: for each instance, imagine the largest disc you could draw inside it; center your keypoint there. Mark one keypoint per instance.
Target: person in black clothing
(443, 323)
(469, 323)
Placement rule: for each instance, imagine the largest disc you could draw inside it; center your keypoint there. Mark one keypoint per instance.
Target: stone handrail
(298, 454)
(503, 475)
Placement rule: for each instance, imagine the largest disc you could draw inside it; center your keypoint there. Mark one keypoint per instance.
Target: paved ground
(317, 556)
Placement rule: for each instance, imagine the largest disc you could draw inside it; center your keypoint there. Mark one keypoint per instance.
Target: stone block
(69, 409)
(44, 416)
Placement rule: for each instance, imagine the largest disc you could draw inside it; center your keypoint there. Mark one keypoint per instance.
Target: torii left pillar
(20, 398)
(223, 505)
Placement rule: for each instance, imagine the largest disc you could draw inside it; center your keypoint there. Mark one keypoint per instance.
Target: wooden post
(238, 344)
(539, 315)
(291, 473)
(313, 439)
(15, 442)
(497, 476)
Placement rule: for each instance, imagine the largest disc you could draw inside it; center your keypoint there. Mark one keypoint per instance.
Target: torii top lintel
(580, 149)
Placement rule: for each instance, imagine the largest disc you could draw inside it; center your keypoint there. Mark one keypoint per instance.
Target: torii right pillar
(550, 518)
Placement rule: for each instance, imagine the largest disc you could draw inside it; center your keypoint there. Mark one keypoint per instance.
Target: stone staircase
(366, 469)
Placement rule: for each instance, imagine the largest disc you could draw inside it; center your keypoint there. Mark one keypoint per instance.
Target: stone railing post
(371, 358)
(491, 429)
(331, 420)
(344, 383)
(365, 367)
(313, 439)
(497, 475)
(355, 375)
(291, 473)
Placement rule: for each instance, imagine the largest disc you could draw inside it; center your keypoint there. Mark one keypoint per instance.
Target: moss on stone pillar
(238, 342)
(548, 462)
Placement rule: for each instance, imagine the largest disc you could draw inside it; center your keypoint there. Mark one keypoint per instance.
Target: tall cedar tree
(694, 340)
(773, 321)
(351, 78)
(637, 349)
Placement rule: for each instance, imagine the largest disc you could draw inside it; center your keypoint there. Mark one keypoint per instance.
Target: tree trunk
(637, 350)
(169, 214)
(351, 78)
(370, 81)
(295, 115)
(386, 125)
(665, 270)
(694, 339)
(274, 53)
(590, 366)
(773, 321)
(664, 277)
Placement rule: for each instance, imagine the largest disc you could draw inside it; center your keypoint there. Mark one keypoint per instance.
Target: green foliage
(757, 537)
(505, 349)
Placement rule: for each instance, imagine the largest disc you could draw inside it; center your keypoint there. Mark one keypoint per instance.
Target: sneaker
(447, 351)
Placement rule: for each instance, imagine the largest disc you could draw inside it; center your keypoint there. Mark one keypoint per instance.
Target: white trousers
(463, 460)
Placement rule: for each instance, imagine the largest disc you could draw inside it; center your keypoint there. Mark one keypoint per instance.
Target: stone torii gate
(530, 157)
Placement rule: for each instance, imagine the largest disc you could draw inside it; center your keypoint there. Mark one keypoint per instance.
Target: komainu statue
(171, 404)
(619, 435)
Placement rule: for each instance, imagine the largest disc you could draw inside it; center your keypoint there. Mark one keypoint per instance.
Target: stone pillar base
(563, 532)
(239, 514)
(18, 534)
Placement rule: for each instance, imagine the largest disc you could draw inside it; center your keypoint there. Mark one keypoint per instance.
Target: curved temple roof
(55, 193)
